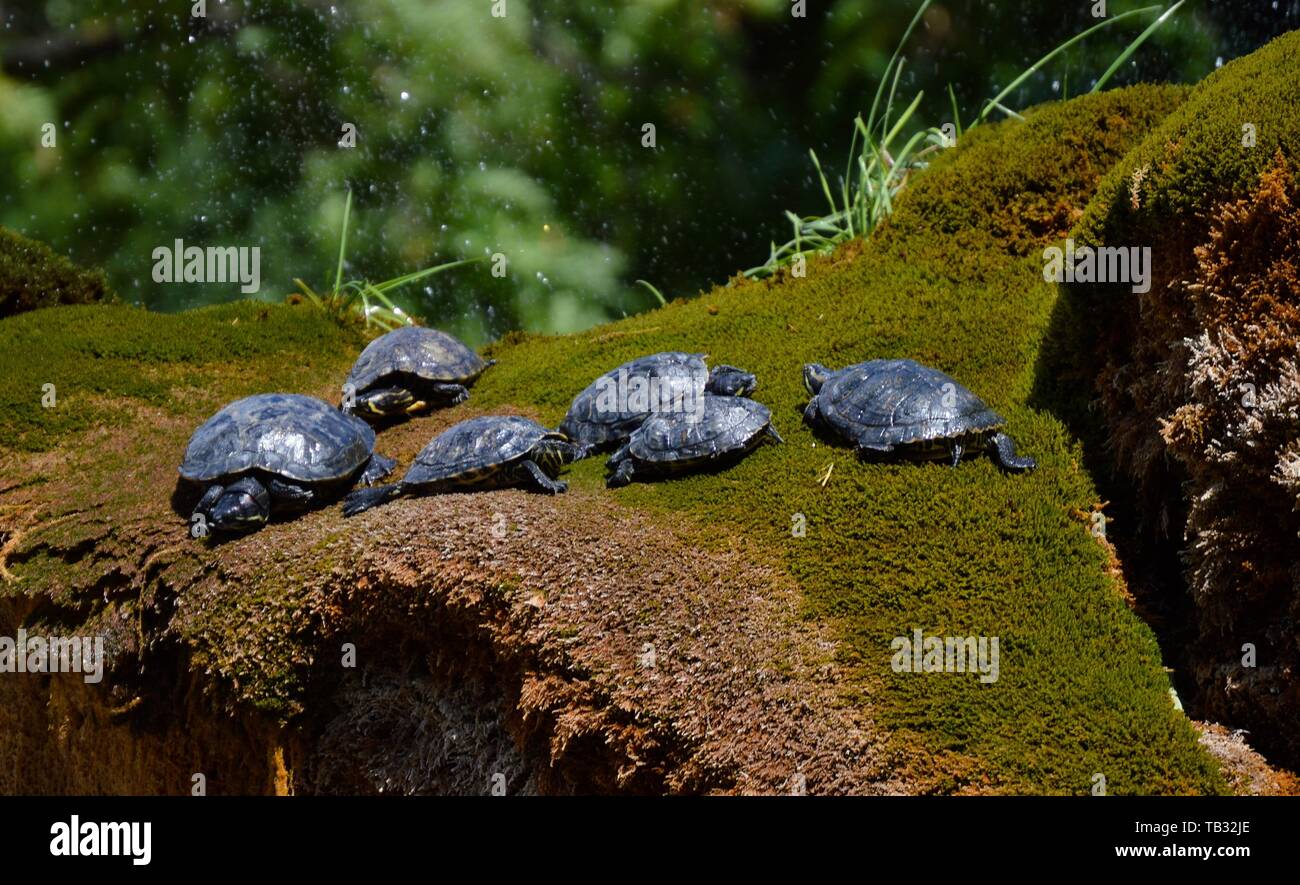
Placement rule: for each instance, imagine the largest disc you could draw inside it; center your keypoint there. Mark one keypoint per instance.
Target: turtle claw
(377, 468)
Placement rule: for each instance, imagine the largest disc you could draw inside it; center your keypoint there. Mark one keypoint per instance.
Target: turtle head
(243, 506)
(730, 381)
(814, 376)
(555, 450)
(383, 402)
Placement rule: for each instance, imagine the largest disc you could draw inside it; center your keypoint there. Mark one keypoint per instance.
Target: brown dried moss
(1237, 434)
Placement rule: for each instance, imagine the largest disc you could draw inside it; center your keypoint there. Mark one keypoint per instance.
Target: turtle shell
(415, 350)
(724, 425)
(896, 402)
(297, 437)
(474, 447)
(617, 403)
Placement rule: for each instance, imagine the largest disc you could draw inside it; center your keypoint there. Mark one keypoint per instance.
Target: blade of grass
(875, 103)
(660, 296)
(1132, 47)
(1033, 69)
(395, 282)
(343, 241)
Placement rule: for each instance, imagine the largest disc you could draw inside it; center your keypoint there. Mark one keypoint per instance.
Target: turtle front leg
(202, 512)
(450, 394)
(540, 480)
(1004, 452)
(377, 468)
(957, 450)
(289, 496)
(812, 415)
(622, 474)
(621, 463)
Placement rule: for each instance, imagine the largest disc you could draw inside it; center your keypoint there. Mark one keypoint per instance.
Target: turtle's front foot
(542, 482)
(377, 468)
(621, 476)
(451, 394)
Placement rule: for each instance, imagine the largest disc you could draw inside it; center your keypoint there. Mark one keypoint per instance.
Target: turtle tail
(364, 499)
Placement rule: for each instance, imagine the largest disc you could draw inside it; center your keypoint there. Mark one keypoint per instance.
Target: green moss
(1196, 158)
(32, 276)
(954, 280)
(182, 364)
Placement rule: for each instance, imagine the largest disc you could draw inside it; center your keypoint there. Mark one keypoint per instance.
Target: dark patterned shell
(474, 446)
(297, 437)
(724, 425)
(895, 402)
(610, 408)
(414, 350)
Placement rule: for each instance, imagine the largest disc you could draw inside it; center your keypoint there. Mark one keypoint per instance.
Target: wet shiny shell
(475, 447)
(725, 424)
(896, 402)
(414, 350)
(588, 422)
(297, 437)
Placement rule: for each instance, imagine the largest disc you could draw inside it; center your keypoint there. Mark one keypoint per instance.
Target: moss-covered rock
(769, 648)
(32, 276)
(1195, 379)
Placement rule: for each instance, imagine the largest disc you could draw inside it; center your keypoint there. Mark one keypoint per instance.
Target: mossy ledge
(32, 276)
(520, 626)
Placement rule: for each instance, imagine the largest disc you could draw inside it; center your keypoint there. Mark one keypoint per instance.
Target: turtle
(902, 407)
(408, 370)
(487, 452)
(275, 452)
(604, 414)
(725, 429)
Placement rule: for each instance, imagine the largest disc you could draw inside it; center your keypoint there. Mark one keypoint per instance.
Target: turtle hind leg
(773, 435)
(1003, 450)
(377, 468)
(957, 450)
(537, 478)
(363, 499)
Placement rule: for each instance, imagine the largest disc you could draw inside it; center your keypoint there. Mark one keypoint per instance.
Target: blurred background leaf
(521, 135)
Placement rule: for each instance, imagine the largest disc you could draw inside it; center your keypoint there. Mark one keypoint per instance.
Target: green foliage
(363, 301)
(878, 169)
(952, 280)
(520, 135)
(32, 276)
